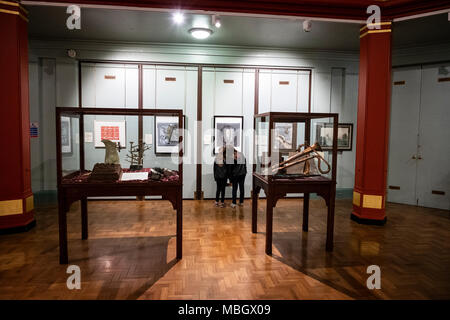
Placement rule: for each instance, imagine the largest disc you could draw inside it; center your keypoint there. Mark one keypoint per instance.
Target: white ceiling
(147, 26)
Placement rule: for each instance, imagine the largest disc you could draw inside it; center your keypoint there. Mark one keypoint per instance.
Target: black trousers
(220, 192)
(238, 182)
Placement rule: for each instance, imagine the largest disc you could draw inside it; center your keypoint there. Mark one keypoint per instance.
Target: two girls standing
(229, 164)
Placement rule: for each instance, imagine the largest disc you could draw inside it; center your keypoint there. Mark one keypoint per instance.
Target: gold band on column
(16, 206)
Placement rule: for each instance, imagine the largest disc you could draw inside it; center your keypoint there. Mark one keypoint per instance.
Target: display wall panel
(303, 91)
(131, 86)
(321, 89)
(284, 91)
(265, 90)
(190, 151)
(66, 84)
(236, 99)
(110, 85)
(88, 85)
(228, 92)
(149, 86)
(170, 88)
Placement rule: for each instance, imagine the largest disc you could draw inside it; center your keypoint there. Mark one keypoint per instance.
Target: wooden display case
(74, 167)
(271, 145)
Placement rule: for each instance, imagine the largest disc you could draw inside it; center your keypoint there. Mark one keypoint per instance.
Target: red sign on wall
(110, 133)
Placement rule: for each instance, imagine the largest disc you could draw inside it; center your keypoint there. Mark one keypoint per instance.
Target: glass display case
(141, 142)
(295, 145)
(109, 152)
(295, 153)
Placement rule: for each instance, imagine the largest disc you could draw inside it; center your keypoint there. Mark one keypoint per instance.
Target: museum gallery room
(218, 150)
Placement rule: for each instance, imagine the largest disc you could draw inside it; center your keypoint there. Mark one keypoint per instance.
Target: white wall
(334, 89)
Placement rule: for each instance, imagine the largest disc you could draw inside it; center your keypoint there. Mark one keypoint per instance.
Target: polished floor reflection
(131, 254)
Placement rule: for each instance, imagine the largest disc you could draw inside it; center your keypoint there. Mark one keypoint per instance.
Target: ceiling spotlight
(307, 25)
(216, 21)
(200, 33)
(178, 17)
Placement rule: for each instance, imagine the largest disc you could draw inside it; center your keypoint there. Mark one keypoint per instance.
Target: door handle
(414, 157)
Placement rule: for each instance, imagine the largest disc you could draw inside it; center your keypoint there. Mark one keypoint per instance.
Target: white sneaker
(233, 205)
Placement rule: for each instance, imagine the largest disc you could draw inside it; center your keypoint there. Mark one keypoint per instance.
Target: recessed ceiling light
(178, 17)
(200, 33)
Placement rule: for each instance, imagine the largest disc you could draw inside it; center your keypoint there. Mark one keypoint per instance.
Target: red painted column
(16, 197)
(374, 100)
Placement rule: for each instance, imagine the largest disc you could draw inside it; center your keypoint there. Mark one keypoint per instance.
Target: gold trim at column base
(368, 201)
(16, 206)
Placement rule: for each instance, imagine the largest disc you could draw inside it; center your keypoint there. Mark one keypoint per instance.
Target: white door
(433, 166)
(404, 126)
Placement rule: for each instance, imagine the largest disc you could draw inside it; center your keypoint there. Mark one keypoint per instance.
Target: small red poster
(110, 133)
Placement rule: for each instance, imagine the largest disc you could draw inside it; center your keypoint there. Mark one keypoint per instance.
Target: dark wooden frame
(69, 192)
(338, 148)
(214, 131)
(154, 139)
(276, 188)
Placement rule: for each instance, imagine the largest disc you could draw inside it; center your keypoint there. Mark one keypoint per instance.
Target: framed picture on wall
(324, 135)
(167, 134)
(110, 130)
(228, 130)
(66, 136)
(285, 137)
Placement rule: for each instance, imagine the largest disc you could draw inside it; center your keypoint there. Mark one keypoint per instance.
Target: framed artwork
(66, 135)
(228, 130)
(324, 135)
(167, 134)
(285, 137)
(110, 130)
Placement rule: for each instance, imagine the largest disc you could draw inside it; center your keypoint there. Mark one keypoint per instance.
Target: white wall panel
(321, 91)
(149, 87)
(303, 91)
(170, 88)
(284, 91)
(110, 86)
(88, 85)
(228, 96)
(265, 91)
(131, 86)
(66, 84)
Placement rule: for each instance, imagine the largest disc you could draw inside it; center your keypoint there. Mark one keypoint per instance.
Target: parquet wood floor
(131, 254)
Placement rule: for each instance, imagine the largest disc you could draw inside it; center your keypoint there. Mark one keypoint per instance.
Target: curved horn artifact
(308, 153)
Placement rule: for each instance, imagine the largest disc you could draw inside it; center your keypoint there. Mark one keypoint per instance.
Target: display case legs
(255, 195)
(305, 211)
(269, 223)
(180, 229)
(62, 220)
(84, 218)
(330, 223)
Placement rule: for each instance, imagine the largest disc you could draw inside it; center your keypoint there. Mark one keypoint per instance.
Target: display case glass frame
(144, 120)
(269, 162)
(73, 170)
(271, 147)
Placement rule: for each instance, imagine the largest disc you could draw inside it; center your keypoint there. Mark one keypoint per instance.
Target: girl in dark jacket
(237, 177)
(220, 175)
